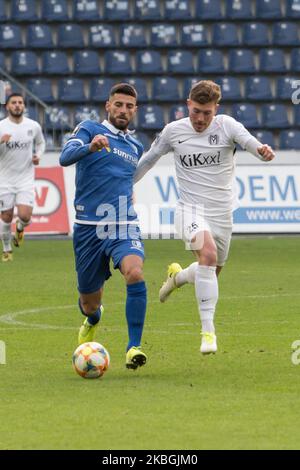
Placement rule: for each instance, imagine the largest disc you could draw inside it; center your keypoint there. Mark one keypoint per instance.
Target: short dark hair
(124, 89)
(12, 95)
(206, 91)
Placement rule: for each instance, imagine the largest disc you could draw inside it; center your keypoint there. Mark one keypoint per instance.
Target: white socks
(21, 224)
(207, 294)
(186, 276)
(5, 235)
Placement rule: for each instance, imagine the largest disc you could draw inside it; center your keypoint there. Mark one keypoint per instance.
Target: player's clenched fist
(5, 138)
(35, 160)
(98, 143)
(266, 152)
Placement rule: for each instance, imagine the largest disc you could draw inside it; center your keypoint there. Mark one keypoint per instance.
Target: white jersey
(16, 167)
(204, 161)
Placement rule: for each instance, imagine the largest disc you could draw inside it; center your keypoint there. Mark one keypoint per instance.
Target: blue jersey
(104, 179)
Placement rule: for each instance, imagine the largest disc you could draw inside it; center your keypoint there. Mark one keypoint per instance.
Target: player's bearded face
(15, 107)
(201, 115)
(121, 110)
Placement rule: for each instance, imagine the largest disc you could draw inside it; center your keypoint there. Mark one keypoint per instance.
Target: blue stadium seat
(246, 114)
(102, 36)
(163, 35)
(289, 139)
(295, 59)
(55, 63)
(224, 109)
(32, 112)
(178, 10)
(293, 9)
(100, 89)
(231, 88)
(241, 61)
(284, 88)
(10, 37)
(265, 137)
(39, 36)
(118, 62)
(285, 34)
(3, 15)
(297, 114)
(87, 62)
(239, 10)
(255, 34)
(23, 10)
(56, 10)
(24, 63)
(58, 118)
(42, 88)
(268, 9)
(210, 61)
(2, 60)
(178, 111)
(274, 116)
(272, 60)
(225, 34)
(194, 35)
(258, 89)
(70, 36)
(149, 62)
(145, 10)
(132, 35)
(117, 10)
(140, 84)
(165, 89)
(208, 10)
(180, 62)
(144, 139)
(86, 10)
(187, 85)
(71, 90)
(151, 117)
(82, 113)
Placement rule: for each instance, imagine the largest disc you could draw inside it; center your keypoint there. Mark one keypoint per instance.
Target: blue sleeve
(77, 147)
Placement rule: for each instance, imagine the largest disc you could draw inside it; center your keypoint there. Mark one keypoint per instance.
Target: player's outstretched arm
(77, 147)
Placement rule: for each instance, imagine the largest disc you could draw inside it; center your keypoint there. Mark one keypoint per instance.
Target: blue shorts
(93, 254)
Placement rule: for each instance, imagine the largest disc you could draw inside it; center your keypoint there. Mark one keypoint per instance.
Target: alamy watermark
(2, 353)
(296, 94)
(2, 92)
(296, 353)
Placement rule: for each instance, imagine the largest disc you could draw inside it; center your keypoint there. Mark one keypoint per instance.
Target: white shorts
(8, 200)
(190, 221)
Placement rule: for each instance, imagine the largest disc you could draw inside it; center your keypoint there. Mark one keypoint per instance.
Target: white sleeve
(159, 147)
(40, 144)
(240, 135)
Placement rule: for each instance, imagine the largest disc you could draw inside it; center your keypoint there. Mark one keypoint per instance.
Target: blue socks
(92, 319)
(135, 312)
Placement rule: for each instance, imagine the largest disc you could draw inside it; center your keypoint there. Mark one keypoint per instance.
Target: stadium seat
(241, 61)
(58, 118)
(272, 60)
(87, 62)
(225, 34)
(258, 89)
(82, 113)
(265, 137)
(297, 113)
(255, 34)
(246, 114)
(187, 85)
(210, 61)
(178, 111)
(208, 10)
(86, 10)
(23, 10)
(289, 139)
(146, 10)
(118, 62)
(56, 10)
(180, 62)
(10, 37)
(102, 36)
(117, 10)
(55, 63)
(140, 84)
(165, 89)
(274, 116)
(24, 63)
(293, 9)
(239, 10)
(149, 62)
(163, 35)
(285, 34)
(295, 59)
(3, 15)
(178, 10)
(71, 90)
(2, 60)
(284, 88)
(42, 88)
(268, 9)
(143, 138)
(132, 35)
(194, 35)
(39, 36)
(151, 117)
(231, 88)
(224, 109)
(32, 112)
(100, 88)
(70, 36)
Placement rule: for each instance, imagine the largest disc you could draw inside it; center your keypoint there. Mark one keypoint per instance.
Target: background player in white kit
(21, 147)
(203, 145)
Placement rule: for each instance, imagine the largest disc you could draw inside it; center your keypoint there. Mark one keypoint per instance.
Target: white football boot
(208, 343)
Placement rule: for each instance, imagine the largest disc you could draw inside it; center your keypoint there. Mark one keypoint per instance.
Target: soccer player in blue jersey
(106, 226)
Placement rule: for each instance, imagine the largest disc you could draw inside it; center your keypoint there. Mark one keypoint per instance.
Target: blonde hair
(205, 91)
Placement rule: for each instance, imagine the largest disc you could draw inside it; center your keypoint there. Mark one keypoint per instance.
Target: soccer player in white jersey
(21, 147)
(203, 145)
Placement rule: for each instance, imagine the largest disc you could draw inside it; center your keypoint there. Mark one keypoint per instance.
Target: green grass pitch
(246, 396)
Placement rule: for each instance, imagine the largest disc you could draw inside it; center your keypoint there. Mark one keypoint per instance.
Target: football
(91, 360)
